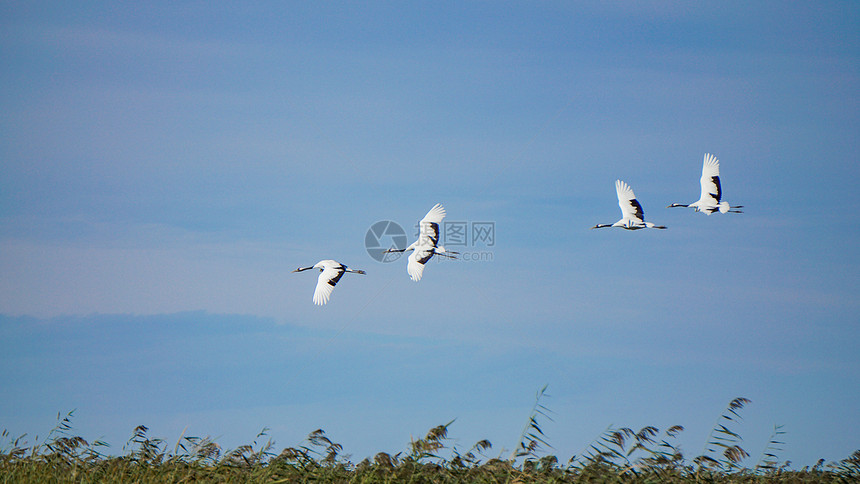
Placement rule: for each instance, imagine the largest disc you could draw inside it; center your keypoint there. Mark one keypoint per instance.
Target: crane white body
(330, 273)
(632, 215)
(711, 198)
(427, 244)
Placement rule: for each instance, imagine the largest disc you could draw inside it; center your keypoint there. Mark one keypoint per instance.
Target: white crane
(710, 200)
(632, 216)
(427, 244)
(330, 273)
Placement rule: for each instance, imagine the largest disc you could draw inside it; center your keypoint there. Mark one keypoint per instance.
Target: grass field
(618, 455)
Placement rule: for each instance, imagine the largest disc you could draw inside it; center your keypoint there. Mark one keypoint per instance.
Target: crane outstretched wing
(414, 268)
(325, 284)
(429, 226)
(417, 259)
(630, 207)
(711, 190)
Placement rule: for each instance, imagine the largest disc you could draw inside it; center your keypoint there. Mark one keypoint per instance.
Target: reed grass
(617, 455)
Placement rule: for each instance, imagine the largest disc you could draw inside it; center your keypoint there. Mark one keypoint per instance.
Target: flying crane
(710, 200)
(632, 216)
(330, 273)
(427, 244)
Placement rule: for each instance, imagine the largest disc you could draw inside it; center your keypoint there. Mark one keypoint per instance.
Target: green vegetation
(618, 455)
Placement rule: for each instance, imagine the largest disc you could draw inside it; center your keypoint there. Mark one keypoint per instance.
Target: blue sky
(165, 167)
